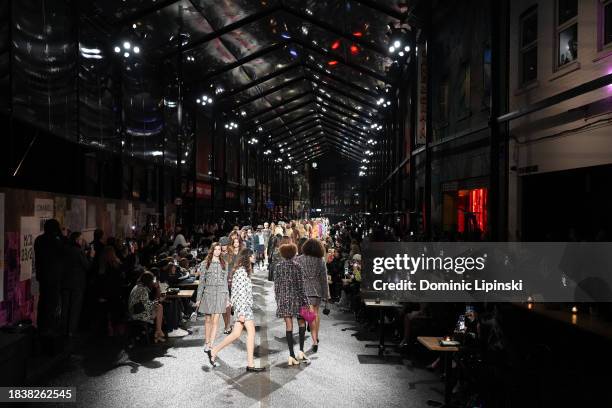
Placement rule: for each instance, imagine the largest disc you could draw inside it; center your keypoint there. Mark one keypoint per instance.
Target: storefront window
(465, 211)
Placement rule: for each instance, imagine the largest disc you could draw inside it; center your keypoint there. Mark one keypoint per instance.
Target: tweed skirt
(215, 300)
(314, 300)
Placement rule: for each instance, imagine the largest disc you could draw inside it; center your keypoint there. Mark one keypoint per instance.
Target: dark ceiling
(301, 76)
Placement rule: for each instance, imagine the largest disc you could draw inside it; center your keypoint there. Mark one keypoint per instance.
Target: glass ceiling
(276, 67)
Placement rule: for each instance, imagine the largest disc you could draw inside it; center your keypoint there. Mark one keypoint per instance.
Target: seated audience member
(179, 240)
(142, 308)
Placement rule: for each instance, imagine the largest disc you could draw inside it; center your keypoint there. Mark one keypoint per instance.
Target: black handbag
(326, 310)
(138, 308)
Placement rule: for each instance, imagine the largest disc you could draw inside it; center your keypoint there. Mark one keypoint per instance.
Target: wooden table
(183, 294)
(188, 285)
(381, 305)
(433, 344)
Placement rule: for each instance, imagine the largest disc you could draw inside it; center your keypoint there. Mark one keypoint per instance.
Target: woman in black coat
(290, 294)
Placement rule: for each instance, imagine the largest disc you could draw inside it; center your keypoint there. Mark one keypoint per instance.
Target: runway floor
(342, 374)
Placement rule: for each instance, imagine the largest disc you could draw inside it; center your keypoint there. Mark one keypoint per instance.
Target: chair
(139, 332)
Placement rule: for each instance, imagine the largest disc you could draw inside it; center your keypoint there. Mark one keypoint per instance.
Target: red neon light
(358, 34)
(332, 63)
(335, 45)
(354, 49)
(472, 207)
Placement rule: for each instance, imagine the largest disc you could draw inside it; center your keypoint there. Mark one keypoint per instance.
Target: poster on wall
(43, 210)
(1, 247)
(28, 232)
(91, 216)
(76, 218)
(60, 210)
(110, 207)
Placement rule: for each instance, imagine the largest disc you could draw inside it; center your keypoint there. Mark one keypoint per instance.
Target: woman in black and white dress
(242, 302)
(213, 294)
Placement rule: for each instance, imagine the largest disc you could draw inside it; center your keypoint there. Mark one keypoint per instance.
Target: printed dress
(289, 288)
(213, 286)
(242, 294)
(145, 311)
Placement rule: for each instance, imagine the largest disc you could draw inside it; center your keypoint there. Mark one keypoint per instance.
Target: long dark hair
(244, 261)
(209, 257)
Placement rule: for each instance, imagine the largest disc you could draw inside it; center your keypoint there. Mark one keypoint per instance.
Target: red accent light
(358, 34)
(335, 45)
(472, 210)
(354, 49)
(332, 63)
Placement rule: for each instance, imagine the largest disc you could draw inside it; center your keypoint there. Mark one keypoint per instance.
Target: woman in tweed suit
(213, 290)
(315, 281)
(290, 297)
(242, 301)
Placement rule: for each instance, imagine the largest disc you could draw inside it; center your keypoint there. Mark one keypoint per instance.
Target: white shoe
(302, 357)
(206, 348)
(178, 332)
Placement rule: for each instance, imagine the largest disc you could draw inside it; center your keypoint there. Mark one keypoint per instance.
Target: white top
(180, 240)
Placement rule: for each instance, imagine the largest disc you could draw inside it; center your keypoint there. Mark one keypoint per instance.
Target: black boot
(302, 333)
(291, 360)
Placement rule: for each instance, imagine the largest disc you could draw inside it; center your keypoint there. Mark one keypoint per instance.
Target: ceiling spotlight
(391, 49)
(294, 172)
(401, 53)
(136, 50)
(364, 167)
(407, 48)
(205, 100)
(127, 45)
(397, 44)
(267, 152)
(314, 165)
(362, 173)
(117, 49)
(126, 54)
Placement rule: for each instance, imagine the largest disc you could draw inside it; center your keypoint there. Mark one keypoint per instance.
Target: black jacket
(74, 276)
(49, 258)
